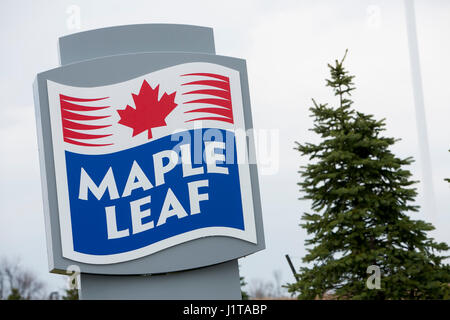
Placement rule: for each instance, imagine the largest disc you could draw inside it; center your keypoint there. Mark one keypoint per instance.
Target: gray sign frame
(117, 68)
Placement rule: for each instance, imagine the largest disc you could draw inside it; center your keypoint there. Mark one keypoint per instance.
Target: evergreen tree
(244, 294)
(361, 194)
(15, 295)
(71, 294)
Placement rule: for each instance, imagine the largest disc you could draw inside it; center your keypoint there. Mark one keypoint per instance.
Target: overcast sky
(287, 45)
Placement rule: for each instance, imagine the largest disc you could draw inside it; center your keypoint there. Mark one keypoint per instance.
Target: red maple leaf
(149, 113)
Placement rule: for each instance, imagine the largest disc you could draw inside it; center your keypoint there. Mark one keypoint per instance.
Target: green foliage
(71, 294)
(361, 194)
(15, 295)
(244, 294)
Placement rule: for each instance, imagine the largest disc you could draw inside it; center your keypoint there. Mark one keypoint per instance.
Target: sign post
(147, 184)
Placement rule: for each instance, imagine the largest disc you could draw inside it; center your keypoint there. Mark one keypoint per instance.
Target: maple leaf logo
(149, 113)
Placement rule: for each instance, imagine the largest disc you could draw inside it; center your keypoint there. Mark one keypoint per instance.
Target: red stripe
(211, 92)
(217, 102)
(78, 126)
(78, 135)
(218, 111)
(61, 96)
(213, 118)
(211, 83)
(75, 116)
(212, 75)
(85, 144)
(76, 107)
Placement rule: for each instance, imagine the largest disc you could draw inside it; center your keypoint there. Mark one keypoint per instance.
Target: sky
(287, 45)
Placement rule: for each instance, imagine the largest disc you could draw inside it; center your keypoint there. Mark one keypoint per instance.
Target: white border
(249, 232)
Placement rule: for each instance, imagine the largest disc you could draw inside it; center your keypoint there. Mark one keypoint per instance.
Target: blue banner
(105, 189)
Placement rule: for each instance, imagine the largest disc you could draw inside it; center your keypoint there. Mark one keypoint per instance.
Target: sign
(150, 163)
(144, 153)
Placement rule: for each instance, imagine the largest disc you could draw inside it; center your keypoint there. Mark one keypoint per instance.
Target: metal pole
(421, 122)
(292, 267)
